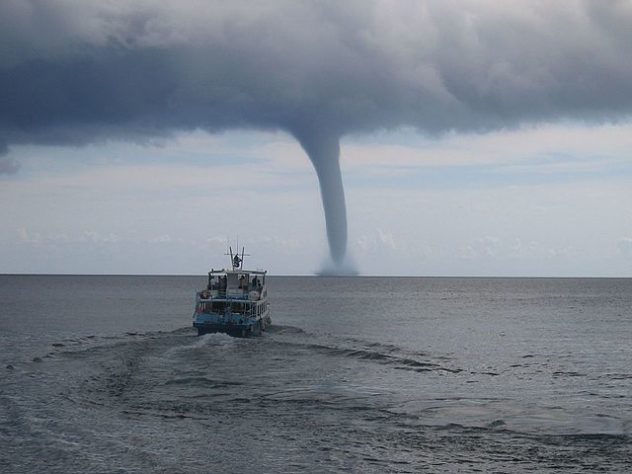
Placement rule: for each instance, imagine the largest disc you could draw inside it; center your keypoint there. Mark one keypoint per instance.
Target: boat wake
(158, 400)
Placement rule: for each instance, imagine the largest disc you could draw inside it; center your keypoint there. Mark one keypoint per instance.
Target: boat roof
(225, 271)
(230, 300)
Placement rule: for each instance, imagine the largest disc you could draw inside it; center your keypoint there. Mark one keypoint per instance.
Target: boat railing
(215, 293)
(235, 293)
(232, 294)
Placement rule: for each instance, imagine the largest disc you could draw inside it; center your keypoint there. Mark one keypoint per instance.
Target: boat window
(233, 280)
(240, 307)
(217, 282)
(219, 307)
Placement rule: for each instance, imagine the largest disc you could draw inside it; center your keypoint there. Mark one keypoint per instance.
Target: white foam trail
(217, 340)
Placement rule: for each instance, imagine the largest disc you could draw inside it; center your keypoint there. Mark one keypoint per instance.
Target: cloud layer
(73, 71)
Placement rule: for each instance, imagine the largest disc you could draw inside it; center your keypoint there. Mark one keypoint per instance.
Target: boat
(235, 301)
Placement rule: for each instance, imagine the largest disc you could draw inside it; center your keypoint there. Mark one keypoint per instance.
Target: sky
(447, 138)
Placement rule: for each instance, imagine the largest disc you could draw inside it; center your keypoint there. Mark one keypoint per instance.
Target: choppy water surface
(105, 374)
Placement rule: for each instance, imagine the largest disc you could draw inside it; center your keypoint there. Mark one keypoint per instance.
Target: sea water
(105, 374)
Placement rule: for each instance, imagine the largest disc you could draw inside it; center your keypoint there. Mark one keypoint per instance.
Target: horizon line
(317, 275)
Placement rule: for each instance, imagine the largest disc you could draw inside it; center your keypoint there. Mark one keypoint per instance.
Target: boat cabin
(237, 291)
(234, 284)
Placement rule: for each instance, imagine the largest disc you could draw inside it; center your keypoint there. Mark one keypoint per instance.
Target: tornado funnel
(323, 150)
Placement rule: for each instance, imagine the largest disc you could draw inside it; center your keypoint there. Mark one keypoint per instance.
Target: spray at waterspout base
(331, 268)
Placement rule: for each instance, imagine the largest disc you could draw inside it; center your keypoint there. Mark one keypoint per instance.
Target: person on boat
(242, 282)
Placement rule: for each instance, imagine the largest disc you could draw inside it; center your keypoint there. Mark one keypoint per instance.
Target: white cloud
(8, 165)
(584, 148)
(625, 247)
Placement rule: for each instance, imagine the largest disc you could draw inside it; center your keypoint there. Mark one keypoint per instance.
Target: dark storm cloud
(74, 71)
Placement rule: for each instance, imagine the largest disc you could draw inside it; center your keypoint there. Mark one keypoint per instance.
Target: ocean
(104, 374)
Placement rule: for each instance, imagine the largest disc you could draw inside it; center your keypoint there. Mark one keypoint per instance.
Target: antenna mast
(236, 261)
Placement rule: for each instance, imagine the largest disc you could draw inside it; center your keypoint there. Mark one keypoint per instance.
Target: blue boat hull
(235, 330)
(237, 327)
